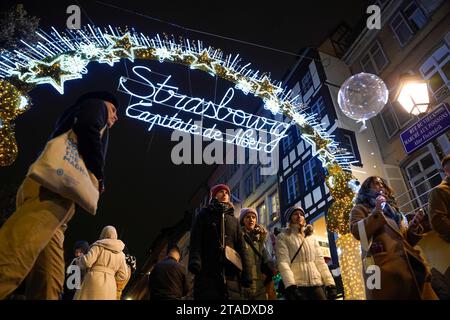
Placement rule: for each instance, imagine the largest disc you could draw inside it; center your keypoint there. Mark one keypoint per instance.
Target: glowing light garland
(60, 57)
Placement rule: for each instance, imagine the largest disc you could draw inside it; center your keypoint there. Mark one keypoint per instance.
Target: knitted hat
(288, 213)
(217, 188)
(83, 245)
(102, 95)
(244, 212)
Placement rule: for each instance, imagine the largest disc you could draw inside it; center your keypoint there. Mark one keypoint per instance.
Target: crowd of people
(229, 257)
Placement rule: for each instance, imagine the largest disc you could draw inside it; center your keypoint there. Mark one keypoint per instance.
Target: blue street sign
(426, 129)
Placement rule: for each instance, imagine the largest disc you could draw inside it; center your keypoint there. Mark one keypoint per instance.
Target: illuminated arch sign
(59, 57)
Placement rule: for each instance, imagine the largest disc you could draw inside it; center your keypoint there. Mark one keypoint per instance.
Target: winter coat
(309, 268)
(261, 267)
(206, 258)
(106, 263)
(87, 119)
(439, 209)
(168, 280)
(404, 274)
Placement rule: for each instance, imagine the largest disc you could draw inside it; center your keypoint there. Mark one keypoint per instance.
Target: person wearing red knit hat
(215, 232)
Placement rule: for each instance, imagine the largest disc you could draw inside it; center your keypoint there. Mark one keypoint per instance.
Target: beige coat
(105, 262)
(404, 274)
(308, 268)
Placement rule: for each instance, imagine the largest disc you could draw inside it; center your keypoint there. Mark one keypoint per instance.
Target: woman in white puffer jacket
(305, 277)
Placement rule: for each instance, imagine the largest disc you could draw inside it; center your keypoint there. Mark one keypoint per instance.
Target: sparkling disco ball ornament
(362, 96)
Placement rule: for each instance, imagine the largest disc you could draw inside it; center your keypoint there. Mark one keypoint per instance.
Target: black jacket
(168, 280)
(206, 258)
(87, 119)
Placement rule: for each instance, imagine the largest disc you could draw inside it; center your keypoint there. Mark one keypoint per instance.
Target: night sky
(144, 190)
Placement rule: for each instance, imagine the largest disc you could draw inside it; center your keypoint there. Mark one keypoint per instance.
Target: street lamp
(413, 94)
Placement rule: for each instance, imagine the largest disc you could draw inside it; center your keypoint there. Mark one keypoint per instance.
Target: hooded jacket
(308, 268)
(105, 262)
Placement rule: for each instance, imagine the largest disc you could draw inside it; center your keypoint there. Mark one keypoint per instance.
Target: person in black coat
(168, 279)
(31, 240)
(216, 277)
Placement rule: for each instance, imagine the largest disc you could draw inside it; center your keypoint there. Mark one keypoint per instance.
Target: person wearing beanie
(219, 274)
(106, 264)
(31, 240)
(307, 274)
(262, 266)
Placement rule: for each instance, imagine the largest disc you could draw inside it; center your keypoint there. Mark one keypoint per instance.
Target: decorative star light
(123, 45)
(205, 62)
(267, 89)
(110, 58)
(22, 72)
(272, 105)
(322, 154)
(51, 73)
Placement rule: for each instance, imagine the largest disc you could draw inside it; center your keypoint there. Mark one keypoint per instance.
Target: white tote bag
(61, 169)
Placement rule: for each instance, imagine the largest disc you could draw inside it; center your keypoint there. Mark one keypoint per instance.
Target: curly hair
(365, 188)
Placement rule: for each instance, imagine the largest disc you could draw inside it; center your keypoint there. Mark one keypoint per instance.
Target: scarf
(390, 210)
(221, 207)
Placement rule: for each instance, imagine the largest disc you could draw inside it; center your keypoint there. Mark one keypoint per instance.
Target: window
(310, 172)
(401, 29)
(274, 206)
(407, 22)
(306, 82)
(292, 188)
(415, 16)
(389, 122)
(394, 118)
(318, 107)
(235, 197)
(423, 175)
(262, 213)
(288, 141)
(436, 70)
(348, 141)
(248, 185)
(375, 60)
(258, 177)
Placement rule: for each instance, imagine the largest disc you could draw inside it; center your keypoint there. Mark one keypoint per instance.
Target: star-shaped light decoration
(205, 62)
(319, 147)
(266, 89)
(123, 47)
(110, 58)
(51, 73)
(22, 72)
